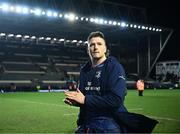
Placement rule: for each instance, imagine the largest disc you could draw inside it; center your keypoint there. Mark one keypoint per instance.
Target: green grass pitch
(47, 113)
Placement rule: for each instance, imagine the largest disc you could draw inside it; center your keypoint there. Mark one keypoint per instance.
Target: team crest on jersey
(98, 74)
(89, 83)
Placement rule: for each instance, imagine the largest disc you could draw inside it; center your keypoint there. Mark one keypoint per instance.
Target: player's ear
(107, 52)
(87, 49)
(106, 49)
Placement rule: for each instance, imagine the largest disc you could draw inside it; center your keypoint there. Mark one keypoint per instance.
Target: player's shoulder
(86, 66)
(113, 66)
(113, 62)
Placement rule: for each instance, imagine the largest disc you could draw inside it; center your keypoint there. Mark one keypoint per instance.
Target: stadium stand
(48, 48)
(27, 65)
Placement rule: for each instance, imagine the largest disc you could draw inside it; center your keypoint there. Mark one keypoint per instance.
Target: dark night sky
(165, 14)
(162, 13)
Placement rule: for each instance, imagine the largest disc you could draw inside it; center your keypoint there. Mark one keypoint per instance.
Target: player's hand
(70, 102)
(76, 96)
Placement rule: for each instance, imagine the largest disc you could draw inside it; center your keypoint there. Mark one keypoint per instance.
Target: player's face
(97, 48)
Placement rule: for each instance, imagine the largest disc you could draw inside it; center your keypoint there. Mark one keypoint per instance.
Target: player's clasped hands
(74, 97)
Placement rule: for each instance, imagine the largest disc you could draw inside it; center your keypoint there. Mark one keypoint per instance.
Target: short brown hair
(96, 34)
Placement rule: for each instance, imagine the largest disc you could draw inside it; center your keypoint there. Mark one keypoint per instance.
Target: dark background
(162, 13)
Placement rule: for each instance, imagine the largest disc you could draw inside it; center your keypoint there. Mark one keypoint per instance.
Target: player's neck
(96, 62)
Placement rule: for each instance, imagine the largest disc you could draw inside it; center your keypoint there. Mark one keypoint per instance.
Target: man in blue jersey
(102, 89)
(101, 95)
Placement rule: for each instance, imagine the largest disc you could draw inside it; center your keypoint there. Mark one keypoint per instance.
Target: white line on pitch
(165, 118)
(34, 102)
(135, 109)
(69, 114)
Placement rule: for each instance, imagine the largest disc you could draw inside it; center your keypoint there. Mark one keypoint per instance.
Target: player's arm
(116, 90)
(114, 97)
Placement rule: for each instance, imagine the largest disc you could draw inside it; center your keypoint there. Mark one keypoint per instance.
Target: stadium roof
(41, 25)
(51, 19)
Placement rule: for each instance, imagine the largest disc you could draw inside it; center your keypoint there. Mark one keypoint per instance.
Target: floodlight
(5, 7)
(91, 19)
(33, 37)
(143, 27)
(31, 11)
(12, 8)
(110, 22)
(43, 12)
(96, 20)
(71, 17)
(41, 38)
(114, 23)
(26, 36)
(101, 21)
(48, 38)
(2, 34)
(55, 14)
(105, 22)
(60, 15)
(18, 9)
(80, 41)
(82, 18)
(10, 35)
(25, 10)
(87, 19)
(67, 41)
(49, 13)
(77, 17)
(66, 16)
(74, 41)
(18, 36)
(123, 24)
(37, 12)
(61, 40)
(86, 42)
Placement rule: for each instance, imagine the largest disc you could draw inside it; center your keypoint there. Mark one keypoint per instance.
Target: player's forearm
(107, 101)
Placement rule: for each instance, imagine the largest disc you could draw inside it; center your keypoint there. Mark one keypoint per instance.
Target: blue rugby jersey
(104, 87)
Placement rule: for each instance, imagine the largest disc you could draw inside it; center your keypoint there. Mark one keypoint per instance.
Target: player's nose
(95, 46)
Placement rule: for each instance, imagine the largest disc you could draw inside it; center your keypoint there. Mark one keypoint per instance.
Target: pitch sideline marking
(34, 102)
(165, 118)
(135, 109)
(70, 114)
(27, 101)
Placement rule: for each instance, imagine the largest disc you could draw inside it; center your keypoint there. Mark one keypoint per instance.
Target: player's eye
(92, 44)
(99, 43)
